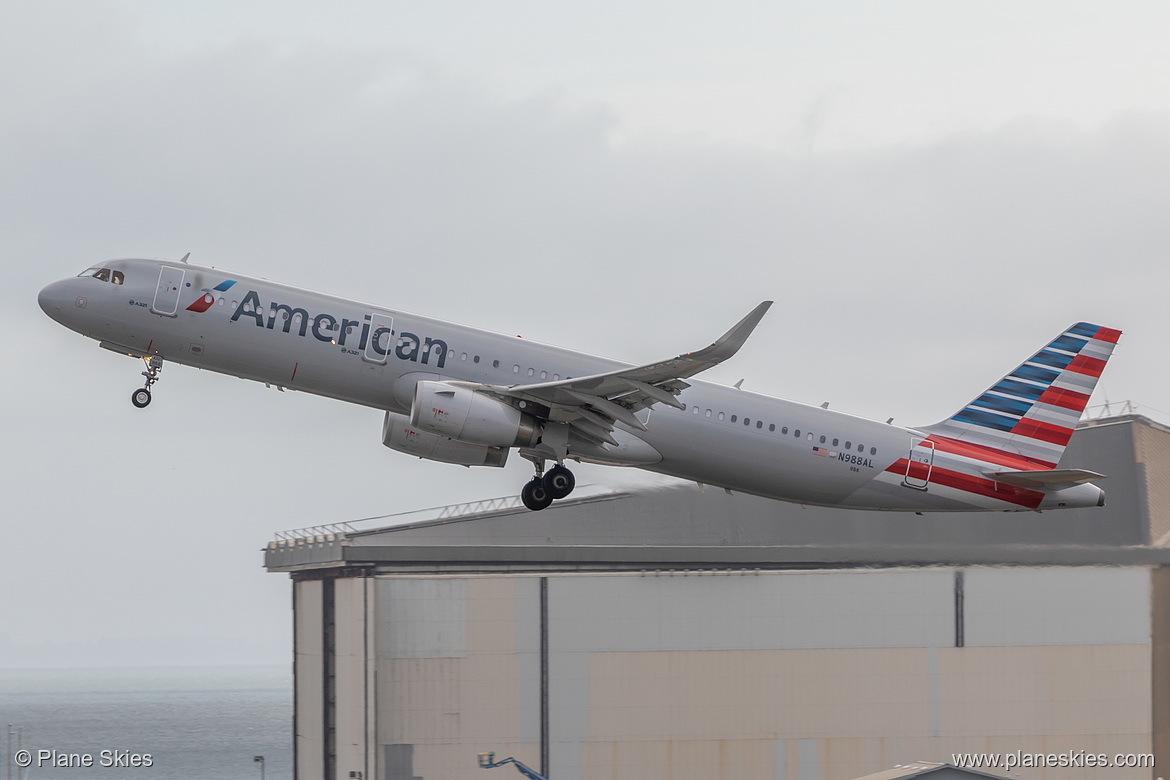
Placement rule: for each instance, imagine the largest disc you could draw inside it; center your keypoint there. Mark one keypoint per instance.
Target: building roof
(923, 768)
(687, 525)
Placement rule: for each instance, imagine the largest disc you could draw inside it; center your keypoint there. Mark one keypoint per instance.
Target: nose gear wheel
(141, 396)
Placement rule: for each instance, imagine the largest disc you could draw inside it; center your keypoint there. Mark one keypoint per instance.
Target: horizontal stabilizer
(1044, 481)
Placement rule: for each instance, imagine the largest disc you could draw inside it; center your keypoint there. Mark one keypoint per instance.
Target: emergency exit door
(919, 465)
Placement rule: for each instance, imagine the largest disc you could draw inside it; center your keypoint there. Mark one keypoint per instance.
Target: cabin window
(822, 439)
(835, 442)
(495, 364)
(695, 410)
(784, 430)
(796, 433)
(747, 421)
(721, 415)
(771, 427)
(544, 375)
(475, 359)
(463, 356)
(516, 369)
(809, 437)
(759, 424)
(861, 448)
(873, 450)
(848, 445)
(556, 377)
(531, 371)
(708, 412)
(734, 418)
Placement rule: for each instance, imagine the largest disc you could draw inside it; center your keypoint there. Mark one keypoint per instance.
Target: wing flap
(594, 404)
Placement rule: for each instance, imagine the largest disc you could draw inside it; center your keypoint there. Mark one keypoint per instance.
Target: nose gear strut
(141, 396)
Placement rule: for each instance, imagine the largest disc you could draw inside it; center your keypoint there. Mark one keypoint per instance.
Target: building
(689, 633)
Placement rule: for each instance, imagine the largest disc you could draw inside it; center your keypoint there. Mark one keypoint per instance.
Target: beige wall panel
(1060, 689)
(491, 615)
(489, 697)
(422, 617)
(433, 700)
(1160, 652)
(759, 693)
(1152, 450)
(734, 759)
(1030, 606)
(349, 644)
(418, 699)
(310, 749)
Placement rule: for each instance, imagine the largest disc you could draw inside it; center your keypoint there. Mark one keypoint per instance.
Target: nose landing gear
(141, 396)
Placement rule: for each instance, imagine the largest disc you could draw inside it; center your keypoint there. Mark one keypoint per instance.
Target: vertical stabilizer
(1033, 410)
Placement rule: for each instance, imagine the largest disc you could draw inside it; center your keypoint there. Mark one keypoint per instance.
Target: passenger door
(166, 295)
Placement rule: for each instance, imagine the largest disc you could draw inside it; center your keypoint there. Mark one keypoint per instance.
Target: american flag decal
(820, 451)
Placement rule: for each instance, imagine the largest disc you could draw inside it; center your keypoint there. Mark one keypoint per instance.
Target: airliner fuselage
(412, 367)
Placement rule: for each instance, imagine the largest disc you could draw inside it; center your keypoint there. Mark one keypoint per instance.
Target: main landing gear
(544, 489)
(141, 396)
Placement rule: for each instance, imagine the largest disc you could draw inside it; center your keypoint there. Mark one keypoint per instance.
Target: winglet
(730, 342)
(185, 257)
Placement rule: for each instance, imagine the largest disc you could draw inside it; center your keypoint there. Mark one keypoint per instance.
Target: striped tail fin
(1033, 410)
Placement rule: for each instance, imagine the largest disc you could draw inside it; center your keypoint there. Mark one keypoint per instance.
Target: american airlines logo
(205, 301)
(337, 330)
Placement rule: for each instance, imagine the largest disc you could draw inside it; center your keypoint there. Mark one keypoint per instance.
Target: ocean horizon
(192, 722)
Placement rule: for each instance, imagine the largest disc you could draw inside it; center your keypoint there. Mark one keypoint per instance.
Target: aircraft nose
(53, 298)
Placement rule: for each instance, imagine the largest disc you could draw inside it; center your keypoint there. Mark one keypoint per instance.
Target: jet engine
(398, 434)
(459, 412)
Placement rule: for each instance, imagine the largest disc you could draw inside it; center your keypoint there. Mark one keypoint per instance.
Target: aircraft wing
(593, 404)
(1044, 481)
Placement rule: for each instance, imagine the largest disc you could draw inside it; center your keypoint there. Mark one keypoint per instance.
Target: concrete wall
(308, 670)
(790, 675)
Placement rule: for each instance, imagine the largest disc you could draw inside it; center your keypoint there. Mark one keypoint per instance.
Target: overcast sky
(929, 191)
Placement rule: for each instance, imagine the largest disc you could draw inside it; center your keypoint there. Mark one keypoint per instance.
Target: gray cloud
(907, 278)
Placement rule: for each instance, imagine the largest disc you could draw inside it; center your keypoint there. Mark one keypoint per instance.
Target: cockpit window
(104, 274)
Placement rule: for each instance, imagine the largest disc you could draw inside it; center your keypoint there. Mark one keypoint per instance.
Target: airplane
(462, 395)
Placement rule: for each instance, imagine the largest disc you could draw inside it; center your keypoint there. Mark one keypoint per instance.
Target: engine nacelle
(458, 412)
(398, 434)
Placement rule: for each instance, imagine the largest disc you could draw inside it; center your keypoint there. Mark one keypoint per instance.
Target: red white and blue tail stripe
(1033, 410)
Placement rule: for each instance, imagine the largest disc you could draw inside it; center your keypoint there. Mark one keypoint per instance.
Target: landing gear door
(919, 464)
(380, 340)
(166, 296)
